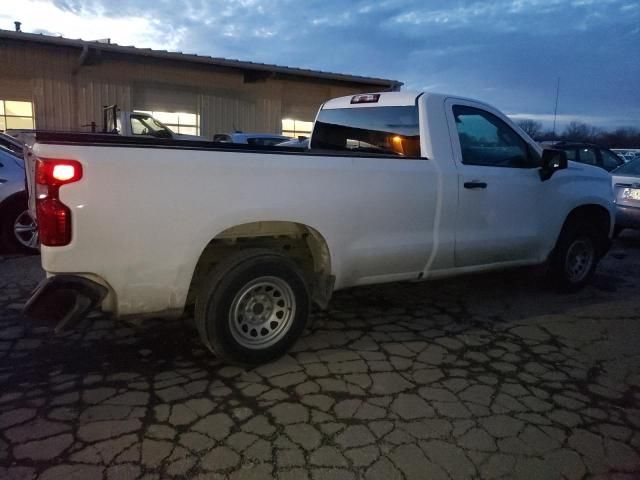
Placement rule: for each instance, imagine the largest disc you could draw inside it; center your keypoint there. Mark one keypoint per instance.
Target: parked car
(588, 153)
(262, 139)
(18, 231)
(626, 187)
(396, 186)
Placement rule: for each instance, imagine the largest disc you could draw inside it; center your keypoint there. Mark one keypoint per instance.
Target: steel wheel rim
(262, 312)
(25, 230)
(580, 257)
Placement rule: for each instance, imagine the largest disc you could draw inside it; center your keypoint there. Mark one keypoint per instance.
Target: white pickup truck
(130, 124)
(396, 186)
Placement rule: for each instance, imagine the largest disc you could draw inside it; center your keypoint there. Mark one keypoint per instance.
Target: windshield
(632, 168)
(146, 125)
(374, 130)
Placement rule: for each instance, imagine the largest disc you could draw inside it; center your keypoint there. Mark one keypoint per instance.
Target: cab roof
(384, 99)
(390, 99)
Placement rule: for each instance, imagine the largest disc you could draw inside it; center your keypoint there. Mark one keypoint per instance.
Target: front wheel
(252, 307)
(575, 257)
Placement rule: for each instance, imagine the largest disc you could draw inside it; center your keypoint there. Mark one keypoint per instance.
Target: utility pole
(555, 110)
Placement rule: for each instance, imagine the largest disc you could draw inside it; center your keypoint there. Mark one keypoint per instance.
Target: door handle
(475, 185)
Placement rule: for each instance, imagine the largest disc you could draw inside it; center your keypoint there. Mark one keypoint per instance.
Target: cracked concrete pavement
(491, 376)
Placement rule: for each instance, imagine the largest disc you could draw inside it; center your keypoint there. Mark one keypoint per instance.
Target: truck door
(499, 207)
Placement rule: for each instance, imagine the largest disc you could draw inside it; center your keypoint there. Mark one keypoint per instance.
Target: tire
(252, 307)
(15, 215)
(575, 257)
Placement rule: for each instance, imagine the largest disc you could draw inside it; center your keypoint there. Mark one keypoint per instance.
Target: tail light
(54, 217)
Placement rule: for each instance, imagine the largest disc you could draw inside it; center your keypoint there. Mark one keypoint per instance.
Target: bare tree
(548, 135)
(580, 132)
(531, 128)
(624, 137)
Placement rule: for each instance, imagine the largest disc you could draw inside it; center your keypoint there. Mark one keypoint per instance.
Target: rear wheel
(575, 257)
(252, 307)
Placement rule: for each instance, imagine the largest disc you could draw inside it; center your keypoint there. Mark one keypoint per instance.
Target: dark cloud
(507, 52)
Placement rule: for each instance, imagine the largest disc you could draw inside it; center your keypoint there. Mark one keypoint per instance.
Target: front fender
(577, 186)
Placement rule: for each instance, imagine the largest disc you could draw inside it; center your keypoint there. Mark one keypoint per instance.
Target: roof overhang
(253, 71)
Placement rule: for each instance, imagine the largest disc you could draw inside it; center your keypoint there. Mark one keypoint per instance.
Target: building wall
(69, 96)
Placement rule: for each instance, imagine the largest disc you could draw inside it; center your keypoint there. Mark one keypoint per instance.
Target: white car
(395, 186)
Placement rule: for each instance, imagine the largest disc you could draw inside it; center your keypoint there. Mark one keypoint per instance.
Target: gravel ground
(492, 376)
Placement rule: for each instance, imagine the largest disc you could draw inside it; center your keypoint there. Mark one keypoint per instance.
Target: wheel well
(305, 245)
(596, 216)
(11, 200)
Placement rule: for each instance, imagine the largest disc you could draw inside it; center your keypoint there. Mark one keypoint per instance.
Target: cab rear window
(373, 130)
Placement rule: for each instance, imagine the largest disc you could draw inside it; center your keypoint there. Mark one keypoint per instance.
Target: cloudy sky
(507, 52)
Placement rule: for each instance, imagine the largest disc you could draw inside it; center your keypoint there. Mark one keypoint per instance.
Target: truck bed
(89, 138)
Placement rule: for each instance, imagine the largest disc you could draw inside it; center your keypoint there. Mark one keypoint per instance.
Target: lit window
(179, 122)
(296, 128)
(16, 115)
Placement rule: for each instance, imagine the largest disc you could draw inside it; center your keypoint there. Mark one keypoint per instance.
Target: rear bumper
(628, 217)
(65, 299)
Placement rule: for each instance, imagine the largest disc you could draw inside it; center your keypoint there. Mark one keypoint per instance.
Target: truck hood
(588, 170)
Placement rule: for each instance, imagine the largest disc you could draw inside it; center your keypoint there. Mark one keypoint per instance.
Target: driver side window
(486, 140)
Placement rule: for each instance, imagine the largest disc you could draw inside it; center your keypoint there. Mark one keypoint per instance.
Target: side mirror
(552, 161)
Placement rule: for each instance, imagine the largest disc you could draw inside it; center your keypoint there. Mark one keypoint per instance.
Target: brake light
(54, 217)
(365, 98)
(63, 173)
(54, 172)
